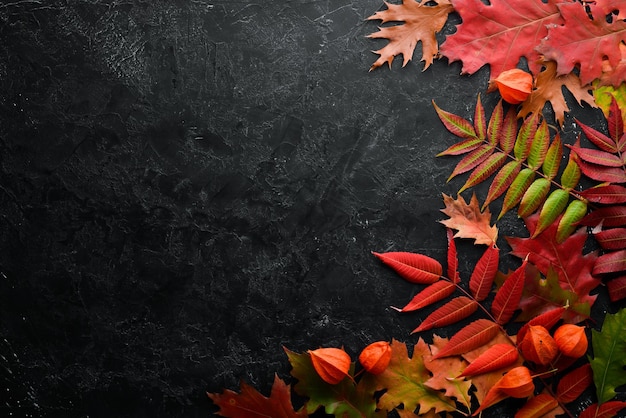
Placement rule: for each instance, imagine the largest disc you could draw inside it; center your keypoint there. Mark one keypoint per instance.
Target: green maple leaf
(405, 381)
(609, 356)
(346, 399)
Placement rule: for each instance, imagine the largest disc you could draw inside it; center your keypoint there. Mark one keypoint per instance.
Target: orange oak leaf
(548, 88)
(538, 406)
(332, 364)
(583, 42)
(499, 34)
(415, 268)
(446, 373)
(249, 403)
(419, 22)
(404, 380)
(468, 220)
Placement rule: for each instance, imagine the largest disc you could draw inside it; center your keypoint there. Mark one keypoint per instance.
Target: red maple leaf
(500, 34)
(566, 259)
(583, 42)
(251, 404)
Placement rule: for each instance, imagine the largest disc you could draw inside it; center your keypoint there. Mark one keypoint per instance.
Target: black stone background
(188, 186)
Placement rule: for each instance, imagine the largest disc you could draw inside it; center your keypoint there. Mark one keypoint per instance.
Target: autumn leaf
(405, 379)
(574, 383)
(418, 22)
(470, 337)
(609, 355)
(499, 34)
(508, 296)
(446, 372)
(415, 268)
(484, 273)
(450, 313)
(538, 406)
(582, 42)
(494, 358)
(429, 295)
(606, 410)
(343, 399)
(548, 89)
(468, 220)
(249, 403)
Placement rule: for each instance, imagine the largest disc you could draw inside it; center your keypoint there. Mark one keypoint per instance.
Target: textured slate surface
(188, 186)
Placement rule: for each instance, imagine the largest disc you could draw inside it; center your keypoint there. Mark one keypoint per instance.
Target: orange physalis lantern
(514, 85)
(538, 345)
(375, 357)
(571, 340)
(517, 383)
(331, 364)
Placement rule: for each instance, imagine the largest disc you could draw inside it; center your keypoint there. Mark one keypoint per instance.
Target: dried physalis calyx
(538, 345)
(514, 85)
(331, 364)
(571, 340)
(375, 357)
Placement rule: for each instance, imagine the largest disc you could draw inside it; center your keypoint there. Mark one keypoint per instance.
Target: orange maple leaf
(468, 220)
(548, 89)
(420, 23)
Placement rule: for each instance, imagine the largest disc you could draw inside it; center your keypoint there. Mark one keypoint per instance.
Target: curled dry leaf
(332, 364)
(375, 357)
(571, 340)
(538, 345)
(514, 85)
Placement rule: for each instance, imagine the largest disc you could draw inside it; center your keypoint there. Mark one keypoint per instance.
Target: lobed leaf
(534, 196)
(468, 220)
(508, 296)
(429, 295)
(496, 357)
(452, 312)
(416, 268)
(484, 273)
(470, 337)
(574, 383)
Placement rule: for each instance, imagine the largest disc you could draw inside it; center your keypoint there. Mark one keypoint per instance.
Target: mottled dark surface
(188, 186)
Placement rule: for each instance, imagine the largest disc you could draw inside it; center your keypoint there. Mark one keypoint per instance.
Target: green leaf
(480, 123)
(554, 205)
(571, 174)
(472, 160)
(345, 399)
(495, 124)
(519, 186)
(502, 181)
(552, 161)
(462, 147)
(455, 124)
(576, 210)
(539, 146)
(534, 197)
(508, 133)
(609, 355)
(484, 170)
(524, 136)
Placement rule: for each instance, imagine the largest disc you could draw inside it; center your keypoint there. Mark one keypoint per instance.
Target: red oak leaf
(583, 42)
(420, 22)
(499, 34)
(251, 404)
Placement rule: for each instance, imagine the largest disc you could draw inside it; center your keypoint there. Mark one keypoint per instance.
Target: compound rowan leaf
(539, 146)
(516, 191)
(553, 206)
(484, 273)
(472, 160)
(502, 181)
(429, 295)
(574, 383)
(450, 313)
(582, 42)
(419, 22)
(606, 410)
(457, 125)
(468, 220)
(470, 337)
(533, 197)
(484, 170)
(609, 355)
(405, 379)
(549, 89)
(508, 296)
(552, 162)
(249, 403)
(499, 34)
(496, 357)
(415, 268)
(605, 194)
(345, 399)
(574, 213)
